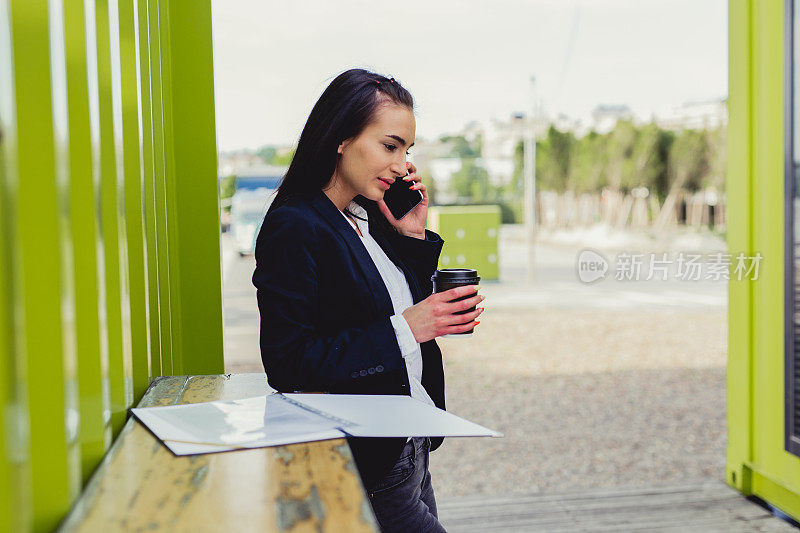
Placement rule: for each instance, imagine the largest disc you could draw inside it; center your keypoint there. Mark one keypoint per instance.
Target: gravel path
(587, 395)
(585, 400)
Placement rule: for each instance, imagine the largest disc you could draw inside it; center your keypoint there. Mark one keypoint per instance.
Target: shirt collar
(360, 213)
(357, 210)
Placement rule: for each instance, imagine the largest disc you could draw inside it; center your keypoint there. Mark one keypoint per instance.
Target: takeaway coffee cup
(450, 278)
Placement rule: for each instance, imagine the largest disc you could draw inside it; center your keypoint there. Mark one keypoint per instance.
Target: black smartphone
(401, 199)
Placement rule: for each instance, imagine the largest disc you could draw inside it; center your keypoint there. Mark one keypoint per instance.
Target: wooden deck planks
(706, 506)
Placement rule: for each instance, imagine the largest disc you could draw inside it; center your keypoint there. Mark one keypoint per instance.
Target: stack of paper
(278, 419)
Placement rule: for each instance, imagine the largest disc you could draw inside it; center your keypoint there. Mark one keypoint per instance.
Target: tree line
(629, 156)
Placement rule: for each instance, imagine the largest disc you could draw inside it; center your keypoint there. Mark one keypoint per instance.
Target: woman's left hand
(413, 224)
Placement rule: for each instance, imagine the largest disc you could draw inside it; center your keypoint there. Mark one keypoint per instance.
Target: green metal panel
(757, 462)
(477, 224)
(470, 236)
(195, 266)
(481, 258)
(767, 229)
(134, 197)
(95, 434)
(39, 278)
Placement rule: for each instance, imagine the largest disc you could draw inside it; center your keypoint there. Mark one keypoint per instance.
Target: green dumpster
(470, 233)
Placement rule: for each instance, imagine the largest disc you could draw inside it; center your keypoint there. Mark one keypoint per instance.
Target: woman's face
(371, 161)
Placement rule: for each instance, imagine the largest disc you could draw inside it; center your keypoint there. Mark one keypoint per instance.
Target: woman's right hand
(433, 316)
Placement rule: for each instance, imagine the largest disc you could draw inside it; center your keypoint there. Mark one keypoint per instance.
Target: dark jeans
(403, 500)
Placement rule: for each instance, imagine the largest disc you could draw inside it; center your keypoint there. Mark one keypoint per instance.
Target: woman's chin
(375, 195)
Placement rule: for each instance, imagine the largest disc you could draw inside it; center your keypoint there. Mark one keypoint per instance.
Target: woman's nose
(399, 167)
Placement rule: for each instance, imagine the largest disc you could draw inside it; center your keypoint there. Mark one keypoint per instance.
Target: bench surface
(141, 485)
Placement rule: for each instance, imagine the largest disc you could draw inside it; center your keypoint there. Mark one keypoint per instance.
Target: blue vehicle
(255, 190)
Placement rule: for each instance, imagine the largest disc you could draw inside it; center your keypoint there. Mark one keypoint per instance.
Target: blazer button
(363, 373)
(379, 368)
(371, 371)
(354, 375)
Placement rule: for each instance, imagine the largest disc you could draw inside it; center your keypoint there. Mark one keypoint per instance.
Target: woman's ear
(342, 146)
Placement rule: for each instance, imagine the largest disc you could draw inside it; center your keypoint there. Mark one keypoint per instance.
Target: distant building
(711, 114)
(500, 170)
(236, 161)
(230, 163)
(605, 117)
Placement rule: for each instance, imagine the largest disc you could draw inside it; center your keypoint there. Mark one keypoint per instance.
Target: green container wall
(757, 462)
(109, 232)
(470, 235)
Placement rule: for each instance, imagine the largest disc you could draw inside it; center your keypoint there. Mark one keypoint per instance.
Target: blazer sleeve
(295, 354)
(421, 256)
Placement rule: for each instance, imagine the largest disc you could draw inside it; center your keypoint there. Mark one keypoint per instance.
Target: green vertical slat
(154, 318)
(160, 194)
(738, 185)
(94, 435)
(93, 84)
(110, 222)
(9, 472)
(134, 196)
(8, 485)
(39, 279)
(169, 187)
(766, 231)
(60, 115)
(122, 225)
(15, 490)
(194, 213)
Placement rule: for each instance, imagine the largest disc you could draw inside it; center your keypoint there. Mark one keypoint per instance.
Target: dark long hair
(345, 108)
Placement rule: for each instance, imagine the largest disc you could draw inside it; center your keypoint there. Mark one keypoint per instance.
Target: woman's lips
(386, 184)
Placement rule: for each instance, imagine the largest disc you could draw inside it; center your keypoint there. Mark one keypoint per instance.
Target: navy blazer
(325, 312)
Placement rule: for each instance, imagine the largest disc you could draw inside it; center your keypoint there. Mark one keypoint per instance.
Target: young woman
(344, 289)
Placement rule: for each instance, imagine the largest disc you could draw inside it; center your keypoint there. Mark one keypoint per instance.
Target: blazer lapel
(375, 285)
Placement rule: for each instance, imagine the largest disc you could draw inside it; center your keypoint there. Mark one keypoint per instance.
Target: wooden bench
(140, 485)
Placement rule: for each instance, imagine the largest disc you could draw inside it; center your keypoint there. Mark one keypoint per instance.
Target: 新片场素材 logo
(592, 266)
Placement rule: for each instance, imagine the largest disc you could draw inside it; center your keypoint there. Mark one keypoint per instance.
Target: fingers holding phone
(416, 181)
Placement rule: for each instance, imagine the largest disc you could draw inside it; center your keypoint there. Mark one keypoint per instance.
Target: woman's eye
(392, 148)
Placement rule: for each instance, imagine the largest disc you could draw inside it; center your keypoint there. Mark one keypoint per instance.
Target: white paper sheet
(229, 425)
(392, 416)
(278, 419)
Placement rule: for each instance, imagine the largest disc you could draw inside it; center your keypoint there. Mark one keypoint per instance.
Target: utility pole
(529, 174)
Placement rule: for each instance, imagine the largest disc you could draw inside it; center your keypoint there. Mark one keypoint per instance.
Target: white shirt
(396, 284)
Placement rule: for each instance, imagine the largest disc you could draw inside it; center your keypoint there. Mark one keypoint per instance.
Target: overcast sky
(462, 59)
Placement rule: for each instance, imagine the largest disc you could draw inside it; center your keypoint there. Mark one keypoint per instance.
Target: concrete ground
(609, 384)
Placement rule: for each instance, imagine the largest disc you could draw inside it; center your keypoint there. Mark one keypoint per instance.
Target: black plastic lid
(455, 274)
